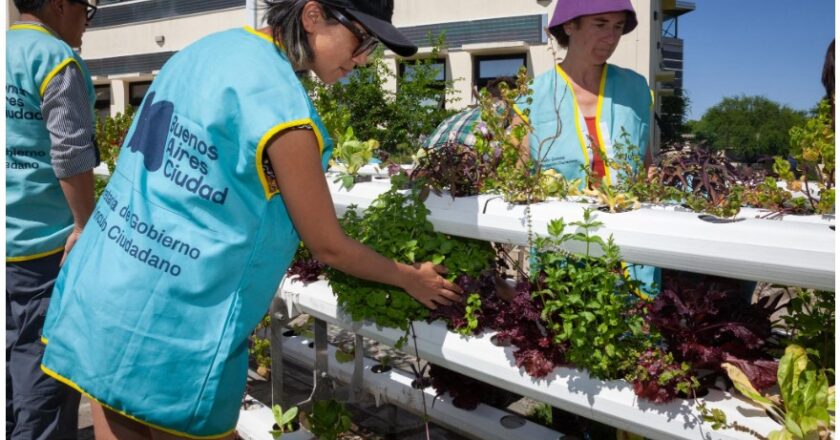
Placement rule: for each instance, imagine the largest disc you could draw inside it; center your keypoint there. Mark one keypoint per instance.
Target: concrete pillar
(460, 65)
(390, 84)
(119, 96)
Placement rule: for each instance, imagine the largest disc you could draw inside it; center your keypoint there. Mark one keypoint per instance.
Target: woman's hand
(297, 164)
(425, 284)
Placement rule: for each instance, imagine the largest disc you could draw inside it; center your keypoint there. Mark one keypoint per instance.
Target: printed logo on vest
(149, 136)
(168, 140)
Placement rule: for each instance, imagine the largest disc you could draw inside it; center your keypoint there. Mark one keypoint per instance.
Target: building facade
(129, 40)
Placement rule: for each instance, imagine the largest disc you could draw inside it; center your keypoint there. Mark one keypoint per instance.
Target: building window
(103, 101)
(136, 92)
(409, 69)
(488, 68)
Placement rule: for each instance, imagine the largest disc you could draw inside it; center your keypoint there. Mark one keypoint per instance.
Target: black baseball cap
(375, 16)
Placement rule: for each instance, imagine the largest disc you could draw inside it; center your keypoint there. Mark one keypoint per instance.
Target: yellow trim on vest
(637, 292)
(55, 71)
(269, 135)
(264, 37)
(521, 114)
(31, 27)
(44, 340)
(35, 256)
(581, 139)
(73, 385)
(598, 134)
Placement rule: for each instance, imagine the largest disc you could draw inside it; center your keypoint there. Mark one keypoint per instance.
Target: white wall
(637, 50)
(140, 38)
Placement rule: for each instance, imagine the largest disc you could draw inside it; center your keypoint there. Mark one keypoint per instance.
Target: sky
(772, 48)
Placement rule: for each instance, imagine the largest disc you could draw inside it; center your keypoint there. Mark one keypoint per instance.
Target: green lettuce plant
(329, 419)
(284, 420)
(805, 405)
(350, 154)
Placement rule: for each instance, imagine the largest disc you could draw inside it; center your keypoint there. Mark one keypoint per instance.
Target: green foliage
(260, 348)
(633, 182)
(587, 300)
(673, 112)
(284, 420)
(398, 119)
(351, 155)
(396, 226)
(473, 308)
(541, 414)
(110, 134)
(747, 127)
(812, 145)
(329, 419)
(516, 179)
(810, 320)
(805, 407)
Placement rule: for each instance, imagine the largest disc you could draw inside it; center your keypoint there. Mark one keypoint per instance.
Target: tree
(396, 120)
(748, 127)
(672, 118)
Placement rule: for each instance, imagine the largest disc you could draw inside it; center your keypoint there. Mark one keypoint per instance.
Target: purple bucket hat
(567, 10)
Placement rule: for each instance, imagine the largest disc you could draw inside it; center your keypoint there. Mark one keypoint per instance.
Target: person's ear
(568, 26)
(54, 7)
(310, 16)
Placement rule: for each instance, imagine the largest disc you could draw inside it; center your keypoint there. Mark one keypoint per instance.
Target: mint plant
(587, 299)
(396, 226)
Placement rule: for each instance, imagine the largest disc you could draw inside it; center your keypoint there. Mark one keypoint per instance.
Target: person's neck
(583, 72)
(270, 33)
(28, 17)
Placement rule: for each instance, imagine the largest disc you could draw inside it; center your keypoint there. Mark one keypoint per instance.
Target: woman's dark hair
(29, 5)
(828, 72)
(494, 86)
(560, 34)
(284, 18)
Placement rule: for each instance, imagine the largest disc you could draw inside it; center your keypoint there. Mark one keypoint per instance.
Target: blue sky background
(773, 48)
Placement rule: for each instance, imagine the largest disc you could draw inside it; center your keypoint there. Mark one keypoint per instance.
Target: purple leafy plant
(707, 322)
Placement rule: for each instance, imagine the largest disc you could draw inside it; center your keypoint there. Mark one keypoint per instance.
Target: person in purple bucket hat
(585, 106)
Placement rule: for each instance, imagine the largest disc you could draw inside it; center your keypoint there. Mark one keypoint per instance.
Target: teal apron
(622, 116)
(187, 244)
(38, 219)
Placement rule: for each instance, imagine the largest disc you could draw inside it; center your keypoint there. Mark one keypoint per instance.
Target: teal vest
(38, 219)
(624, 103)
(187, 244)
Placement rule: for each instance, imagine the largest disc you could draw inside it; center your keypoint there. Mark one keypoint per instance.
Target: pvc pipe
(792, 253)
(394, 387)
(613, 403)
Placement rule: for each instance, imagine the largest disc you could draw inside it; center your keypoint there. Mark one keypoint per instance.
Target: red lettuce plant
(456, 167)
(305, 266)
(658, 378)
(708, 321)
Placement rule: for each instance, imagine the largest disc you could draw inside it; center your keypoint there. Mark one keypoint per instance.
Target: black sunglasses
(367, 41)
(91, 9)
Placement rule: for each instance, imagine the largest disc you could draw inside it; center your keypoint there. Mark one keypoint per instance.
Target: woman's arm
(523, 145)
(297, 164)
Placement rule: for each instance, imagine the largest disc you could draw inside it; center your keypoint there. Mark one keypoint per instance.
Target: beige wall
(11, 13)
(638, 50)
(140, 38)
